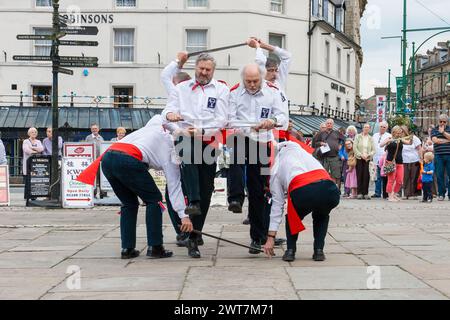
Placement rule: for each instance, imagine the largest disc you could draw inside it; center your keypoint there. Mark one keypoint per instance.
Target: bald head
(252, 76)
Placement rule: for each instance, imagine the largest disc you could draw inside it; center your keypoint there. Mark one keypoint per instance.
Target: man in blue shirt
(441, 140)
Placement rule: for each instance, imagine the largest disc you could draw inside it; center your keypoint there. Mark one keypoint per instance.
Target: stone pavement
(409, 242)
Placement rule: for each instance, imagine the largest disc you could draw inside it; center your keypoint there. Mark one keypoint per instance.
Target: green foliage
(401, 120)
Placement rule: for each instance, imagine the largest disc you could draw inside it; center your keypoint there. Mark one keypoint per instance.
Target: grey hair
(443, 117)
(384, 123)
(262, 72)
(31, 129)
(205, 57)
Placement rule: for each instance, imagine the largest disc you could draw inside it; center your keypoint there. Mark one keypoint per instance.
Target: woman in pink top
(30, 146)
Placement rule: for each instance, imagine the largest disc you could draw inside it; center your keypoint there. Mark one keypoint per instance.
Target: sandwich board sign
(75, 194)
(160, 181)
(4, 186)
(79, 149)
(38, 176)
(104, 183)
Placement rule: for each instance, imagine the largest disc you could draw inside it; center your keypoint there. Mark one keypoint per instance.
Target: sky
(384, 18)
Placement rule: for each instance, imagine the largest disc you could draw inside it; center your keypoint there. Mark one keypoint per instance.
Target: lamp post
(389, 93)
(404, 46)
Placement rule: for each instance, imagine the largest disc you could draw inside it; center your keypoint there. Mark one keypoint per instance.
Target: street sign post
(78, 59)
(31, 58)
(81, 64)
(89, 31)
(34, 37)
(65, 71)
(78, 43)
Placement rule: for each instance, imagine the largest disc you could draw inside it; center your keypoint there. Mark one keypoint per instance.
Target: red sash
(295, 223)
(88, 175)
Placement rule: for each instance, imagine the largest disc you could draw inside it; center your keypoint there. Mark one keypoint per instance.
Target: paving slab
(23, 260)
(237, 283)
(386, 294)
(139, 295)
(429, 272)
(347, 278)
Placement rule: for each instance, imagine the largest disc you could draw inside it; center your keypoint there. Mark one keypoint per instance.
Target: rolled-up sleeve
(167, 76)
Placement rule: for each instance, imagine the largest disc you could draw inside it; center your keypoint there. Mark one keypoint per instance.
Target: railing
(328, 112)
(72, 100)
(15, 165)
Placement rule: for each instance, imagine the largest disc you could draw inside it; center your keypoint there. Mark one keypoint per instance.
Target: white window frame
(187, 6)
(34, 45)
(280, 3)
(125, 7)
(196, 29)
(113, 33)
(43, 7)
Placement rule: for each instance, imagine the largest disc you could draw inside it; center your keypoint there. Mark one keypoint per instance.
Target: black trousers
(198, 170)
(319, 198)
(362, 176)
(427, 190)
(249, 158)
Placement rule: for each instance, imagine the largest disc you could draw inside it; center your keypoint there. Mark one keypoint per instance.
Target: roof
(76, 117)
(309, 124)
(15, 117)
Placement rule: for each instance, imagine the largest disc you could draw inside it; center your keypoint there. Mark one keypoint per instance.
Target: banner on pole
(4, 186)
(75, 194)
(381, 108)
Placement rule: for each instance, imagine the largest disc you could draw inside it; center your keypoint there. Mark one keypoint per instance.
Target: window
(331, 13)
(347, 107)
(338, 62)
(42, 47)
(326, 103)
(123, 97)
(277, 6)
(340, 18)
(338, 104)
(125, 3)
(42, 96)
(320, 10)
(327, 57)
(277, 40)
(196, 40)
(348, 67)
(44, 3)
(123, 45)
(197, 3)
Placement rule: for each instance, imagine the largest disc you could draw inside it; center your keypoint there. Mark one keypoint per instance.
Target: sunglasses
(442, 121)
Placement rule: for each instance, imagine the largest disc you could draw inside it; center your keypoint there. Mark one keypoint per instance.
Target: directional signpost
(61, 28)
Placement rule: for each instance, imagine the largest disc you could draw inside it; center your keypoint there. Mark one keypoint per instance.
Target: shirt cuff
(274, 226)
(182, 215)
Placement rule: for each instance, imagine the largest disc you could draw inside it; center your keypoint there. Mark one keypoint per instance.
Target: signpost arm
(55, 114)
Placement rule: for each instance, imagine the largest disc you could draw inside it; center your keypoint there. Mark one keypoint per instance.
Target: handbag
(389, 166)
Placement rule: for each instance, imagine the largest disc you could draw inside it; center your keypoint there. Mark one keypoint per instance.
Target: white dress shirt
(378, 140)
(254, 108)
(200, 106)
(291, 161)
(158, 152)
(283, 68)
(167, 75)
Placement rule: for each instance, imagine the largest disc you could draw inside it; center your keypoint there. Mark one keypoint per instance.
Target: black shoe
(246, 221)
(235, 207)
(193, 251)
(376, 195)
(279, 241)
(200, 241)
(193, 209)
(129, 253)
(182, 239)
(289, 255)
(318, 255)
(158, 252)
(257, 247)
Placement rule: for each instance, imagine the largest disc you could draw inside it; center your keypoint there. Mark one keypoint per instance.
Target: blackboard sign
(39, 169)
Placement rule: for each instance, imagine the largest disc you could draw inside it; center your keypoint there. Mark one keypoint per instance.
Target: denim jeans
(442, 164)
(130, 179)
(379, 182)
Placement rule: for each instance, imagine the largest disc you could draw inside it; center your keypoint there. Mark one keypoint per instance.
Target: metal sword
(216, 49)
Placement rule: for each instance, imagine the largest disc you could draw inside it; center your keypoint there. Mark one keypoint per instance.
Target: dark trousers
(427, 190)
(130, 179)
(319, 198)
(385, 181)
(412, 172)
(173, 215)
(198, 170)
(442, 165)
(362, 176)
(248, 159)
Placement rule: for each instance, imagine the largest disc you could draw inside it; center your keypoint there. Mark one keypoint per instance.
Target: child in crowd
(427, 177)
(350, 179)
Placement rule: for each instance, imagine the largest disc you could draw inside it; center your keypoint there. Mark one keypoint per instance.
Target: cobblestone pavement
(407, 244)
